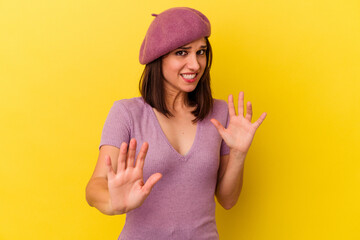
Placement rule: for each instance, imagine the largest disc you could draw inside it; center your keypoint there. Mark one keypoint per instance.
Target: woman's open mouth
(189, 77)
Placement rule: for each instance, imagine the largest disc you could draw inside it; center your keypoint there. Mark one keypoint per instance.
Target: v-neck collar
(158, 126)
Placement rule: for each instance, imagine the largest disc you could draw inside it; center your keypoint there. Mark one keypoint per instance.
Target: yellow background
(63, 64)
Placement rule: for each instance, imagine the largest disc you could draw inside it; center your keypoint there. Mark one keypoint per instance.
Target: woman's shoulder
(220, 105)
(219, 109)
(133, 106)
(131, 102)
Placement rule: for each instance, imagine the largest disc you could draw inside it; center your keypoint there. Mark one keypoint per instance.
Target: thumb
(151, 182)
(218, 126)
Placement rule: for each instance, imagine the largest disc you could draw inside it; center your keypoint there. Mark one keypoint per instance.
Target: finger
(140, 160)
(111, 172)
(152, 180)
(241, 104)
(218, 126)
(131, 153)
(122, 157)
(260, 120)
(231, 105)
(249, 111)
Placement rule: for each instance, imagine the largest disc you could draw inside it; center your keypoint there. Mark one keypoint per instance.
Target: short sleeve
(224, 149)
(117, 126)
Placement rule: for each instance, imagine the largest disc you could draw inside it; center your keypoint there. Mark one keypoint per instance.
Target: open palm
(240, 131)
(126, 186)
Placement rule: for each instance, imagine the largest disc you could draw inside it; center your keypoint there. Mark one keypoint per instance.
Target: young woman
(179, 129)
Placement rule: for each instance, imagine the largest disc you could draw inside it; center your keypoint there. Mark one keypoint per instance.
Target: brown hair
(151, 87)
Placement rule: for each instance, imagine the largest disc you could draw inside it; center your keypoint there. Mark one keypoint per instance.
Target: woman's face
(183, 67)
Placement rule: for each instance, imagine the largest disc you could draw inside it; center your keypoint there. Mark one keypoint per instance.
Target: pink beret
(172, 29)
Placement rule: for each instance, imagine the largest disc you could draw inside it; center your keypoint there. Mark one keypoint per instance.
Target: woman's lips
(189, 77)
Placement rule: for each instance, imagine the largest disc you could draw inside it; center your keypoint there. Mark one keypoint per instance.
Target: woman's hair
(152, 89)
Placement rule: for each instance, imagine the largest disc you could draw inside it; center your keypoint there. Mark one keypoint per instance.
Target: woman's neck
(177, 102)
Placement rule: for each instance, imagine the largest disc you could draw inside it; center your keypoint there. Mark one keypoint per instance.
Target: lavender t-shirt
(181, 205)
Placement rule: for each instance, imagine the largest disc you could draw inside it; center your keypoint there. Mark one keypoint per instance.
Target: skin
(190, 59)
(117, 185)
(238, 136)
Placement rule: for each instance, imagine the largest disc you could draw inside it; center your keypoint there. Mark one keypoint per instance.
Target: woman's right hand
(126, 186)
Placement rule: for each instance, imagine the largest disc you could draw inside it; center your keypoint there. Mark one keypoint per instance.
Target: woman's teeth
(188, 76)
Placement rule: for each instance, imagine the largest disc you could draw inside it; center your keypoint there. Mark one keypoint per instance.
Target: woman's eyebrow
(204, 46)
(184, 48)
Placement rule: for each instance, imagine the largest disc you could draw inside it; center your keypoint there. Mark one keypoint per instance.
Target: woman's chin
(189, 89)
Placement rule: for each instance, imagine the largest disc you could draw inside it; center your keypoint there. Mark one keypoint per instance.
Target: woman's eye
(201, 52)
(180, 53)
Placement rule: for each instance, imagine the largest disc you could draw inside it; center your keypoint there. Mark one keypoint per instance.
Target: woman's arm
(230, 179)
(97, 192)
(238, 137)
(117, 187)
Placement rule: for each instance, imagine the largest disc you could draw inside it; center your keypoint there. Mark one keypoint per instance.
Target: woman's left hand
(240, 131)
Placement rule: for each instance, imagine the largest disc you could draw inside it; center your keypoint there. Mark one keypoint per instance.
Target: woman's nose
(193, 62)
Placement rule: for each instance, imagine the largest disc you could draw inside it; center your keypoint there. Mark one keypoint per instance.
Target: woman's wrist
(237, 158)
(234, 153)
(116, 210)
